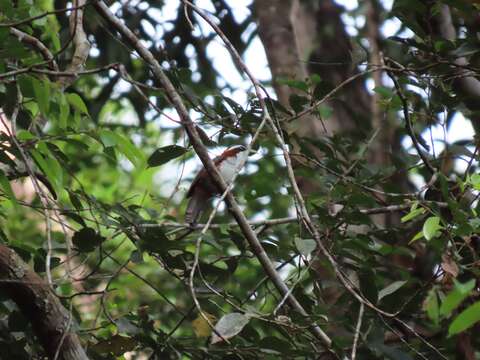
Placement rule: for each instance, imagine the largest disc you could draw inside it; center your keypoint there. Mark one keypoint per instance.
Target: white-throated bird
(203, 188)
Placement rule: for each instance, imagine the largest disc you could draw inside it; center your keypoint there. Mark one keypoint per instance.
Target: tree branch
(175, 99)
(50, 320)
(37, 44)
(290, 219)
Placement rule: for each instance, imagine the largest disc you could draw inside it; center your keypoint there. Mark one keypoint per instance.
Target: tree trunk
(51, 322)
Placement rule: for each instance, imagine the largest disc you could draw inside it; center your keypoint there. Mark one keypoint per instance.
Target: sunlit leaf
(7, 188)
(77, 103)
(47, 168)
(431, 227)
(413, 214)
(467, 318)
(456, 296)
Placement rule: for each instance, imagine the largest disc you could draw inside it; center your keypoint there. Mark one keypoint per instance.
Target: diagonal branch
(174, 98)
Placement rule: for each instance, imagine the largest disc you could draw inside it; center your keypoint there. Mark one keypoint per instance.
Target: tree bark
(277, 35)
(468, 86)
(51, 322)
(325, 47)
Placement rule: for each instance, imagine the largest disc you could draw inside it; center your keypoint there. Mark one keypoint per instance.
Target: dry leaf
(200, 325)
(449, 266)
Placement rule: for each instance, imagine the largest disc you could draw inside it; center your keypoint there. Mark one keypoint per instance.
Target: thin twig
(290, 219)
(408, 124)
(357, 332)
(34, 69)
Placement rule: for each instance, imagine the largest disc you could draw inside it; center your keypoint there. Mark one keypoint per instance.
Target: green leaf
(276, 344)
(325, 111)
(384, 92)
(155, 240)
(431, 306)
(52, 163)
(7, 188)
(475, 181)
(74, 216)
(41, 90)
(24, 135)
(76, 101)
(47, 169)
(39, 261)
(229, 326)
(122, 144)
(431, 227)
(465, 319)
(305, 246)
(128, 149)
(456, 296)
(64, 111)
(296, 84)
(390, 289)
(419, 235)
(165, 154)
(412, 214)
(298, 102)
(108, 138)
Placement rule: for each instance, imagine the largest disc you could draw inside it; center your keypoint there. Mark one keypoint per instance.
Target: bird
(203, 188)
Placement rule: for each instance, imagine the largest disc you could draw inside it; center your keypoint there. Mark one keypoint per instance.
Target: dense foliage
(95, 165)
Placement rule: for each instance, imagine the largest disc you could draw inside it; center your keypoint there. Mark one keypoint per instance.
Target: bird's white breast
(230, 166)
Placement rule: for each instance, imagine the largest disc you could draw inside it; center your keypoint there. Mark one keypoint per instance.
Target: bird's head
(234, 151)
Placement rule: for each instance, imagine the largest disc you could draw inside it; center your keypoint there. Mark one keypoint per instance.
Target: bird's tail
(195, 207)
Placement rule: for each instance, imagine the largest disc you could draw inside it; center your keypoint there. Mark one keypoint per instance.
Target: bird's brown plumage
(203, 188)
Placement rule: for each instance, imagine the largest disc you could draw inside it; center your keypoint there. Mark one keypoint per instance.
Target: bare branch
(290, 219)
(357, 332)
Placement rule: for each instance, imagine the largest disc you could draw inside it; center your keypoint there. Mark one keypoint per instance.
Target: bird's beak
(252, 151)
